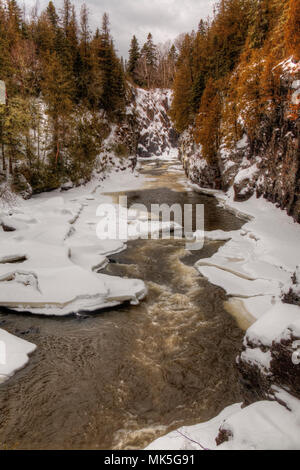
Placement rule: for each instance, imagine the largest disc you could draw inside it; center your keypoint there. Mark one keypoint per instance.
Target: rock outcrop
(267, 165)
(271, 354)
(156, 134)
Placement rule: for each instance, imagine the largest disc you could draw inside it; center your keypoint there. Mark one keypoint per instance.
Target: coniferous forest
(65, 86)
(228, 68)
(149, 227)
(66, 83)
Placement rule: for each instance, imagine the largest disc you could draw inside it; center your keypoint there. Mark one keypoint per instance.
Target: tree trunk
(10, 165)
(3, 157)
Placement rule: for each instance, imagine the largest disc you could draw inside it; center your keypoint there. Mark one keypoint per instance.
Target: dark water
(120, 378)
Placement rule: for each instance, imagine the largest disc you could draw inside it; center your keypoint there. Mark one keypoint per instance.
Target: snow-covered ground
(257, 263)
(156, 135)
(255, 266)
(13, 354)
(51, 254)
(265, 425)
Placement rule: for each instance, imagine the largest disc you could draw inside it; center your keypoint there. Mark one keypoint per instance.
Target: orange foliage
(207, 130)
(292, 29)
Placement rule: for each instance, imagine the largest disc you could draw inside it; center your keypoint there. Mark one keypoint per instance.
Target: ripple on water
(122, 377)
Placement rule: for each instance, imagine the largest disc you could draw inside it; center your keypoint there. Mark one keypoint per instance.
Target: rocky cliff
(267, 164)
(155, 134)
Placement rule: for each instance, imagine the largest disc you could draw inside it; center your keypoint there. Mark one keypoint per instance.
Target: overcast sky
(166, 19)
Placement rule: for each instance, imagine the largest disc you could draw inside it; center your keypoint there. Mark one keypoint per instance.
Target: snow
(55, 237)
(194, 437)
(255, 266)
(242, 143)
(273, 323)
(289, 66)
(258, 358)
(13, 354)
(264, 425)
(49, 262)
(258, 261)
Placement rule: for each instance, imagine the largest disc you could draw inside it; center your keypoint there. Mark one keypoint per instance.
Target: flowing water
(120, 378)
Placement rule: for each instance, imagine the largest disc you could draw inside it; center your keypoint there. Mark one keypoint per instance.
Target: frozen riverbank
(50, 256)
(121, 377)
(256, 267)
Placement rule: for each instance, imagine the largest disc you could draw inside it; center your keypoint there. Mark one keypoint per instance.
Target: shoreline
(255, 267)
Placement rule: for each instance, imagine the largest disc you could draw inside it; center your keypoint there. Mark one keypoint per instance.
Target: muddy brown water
(122, 377)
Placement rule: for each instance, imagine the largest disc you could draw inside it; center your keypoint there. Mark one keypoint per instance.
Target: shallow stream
(120, 378)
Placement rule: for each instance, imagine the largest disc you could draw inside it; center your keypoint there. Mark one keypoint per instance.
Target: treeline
(59, 75)
(151, 66)
(226, 76)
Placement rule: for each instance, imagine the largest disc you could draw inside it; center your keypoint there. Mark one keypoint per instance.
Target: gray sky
(166, 19)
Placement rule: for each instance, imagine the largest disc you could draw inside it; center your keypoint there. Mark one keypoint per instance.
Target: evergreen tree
(149, 61)
(112, 97)
(181, 109)
(52, 15)
(259, 23)
(134, 55)
(292, 29)
(207, 131)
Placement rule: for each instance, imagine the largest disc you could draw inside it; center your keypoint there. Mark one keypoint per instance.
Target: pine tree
(15, 123)
(181, 110)
(14, 14)
(52, 15)
(148, 61)
(5, 65)
(292, 29)
(112, 97)
(57, 88)
(134, 55)
(260, 23)
(207, 131)
(83, 59)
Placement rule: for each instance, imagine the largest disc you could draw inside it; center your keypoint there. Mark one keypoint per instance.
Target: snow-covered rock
(156, 133)
(256, 266)
(265, 425)
(14, 354)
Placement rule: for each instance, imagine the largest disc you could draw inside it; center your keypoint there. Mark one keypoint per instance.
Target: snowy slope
(256, 267)
(156, 134)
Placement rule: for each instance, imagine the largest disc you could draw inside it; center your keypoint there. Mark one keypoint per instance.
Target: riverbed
(119, 378)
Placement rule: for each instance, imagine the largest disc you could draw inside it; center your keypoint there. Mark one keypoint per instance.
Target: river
(122, 377)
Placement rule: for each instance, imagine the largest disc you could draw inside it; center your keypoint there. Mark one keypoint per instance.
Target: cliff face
(155, 134)
(270, 355)
(267, 164)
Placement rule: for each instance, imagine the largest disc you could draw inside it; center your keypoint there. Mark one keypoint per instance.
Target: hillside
(238, 107)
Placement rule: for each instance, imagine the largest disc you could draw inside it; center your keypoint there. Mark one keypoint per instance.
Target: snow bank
(257, 263)
(255, 266)
(49, 262)
(13, 354)
(265, 425)
(198, 437)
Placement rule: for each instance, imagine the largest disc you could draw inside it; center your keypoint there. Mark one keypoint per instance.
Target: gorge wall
(155, 133)
(267, 163)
